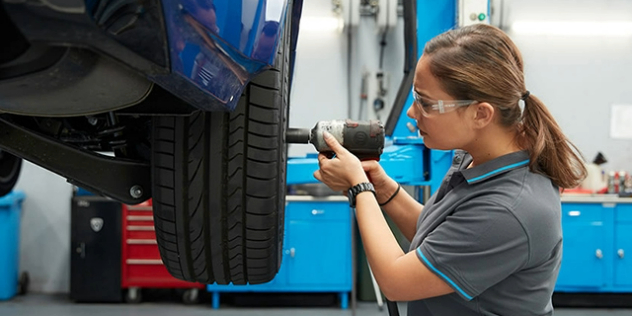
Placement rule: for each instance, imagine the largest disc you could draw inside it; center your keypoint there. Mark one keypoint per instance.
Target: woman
(489, 241)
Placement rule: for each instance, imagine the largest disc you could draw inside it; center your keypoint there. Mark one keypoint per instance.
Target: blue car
(181, 101)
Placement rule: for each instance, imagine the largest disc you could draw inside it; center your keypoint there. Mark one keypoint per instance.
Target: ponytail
(551, 153)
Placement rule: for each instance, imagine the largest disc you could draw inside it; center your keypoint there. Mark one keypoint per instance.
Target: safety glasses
(429, 107)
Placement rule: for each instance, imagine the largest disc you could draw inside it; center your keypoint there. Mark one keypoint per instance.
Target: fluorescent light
(274, 10)
(321, 24)
(574, 28)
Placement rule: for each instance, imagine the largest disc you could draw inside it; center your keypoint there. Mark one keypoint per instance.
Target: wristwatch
(357, 189)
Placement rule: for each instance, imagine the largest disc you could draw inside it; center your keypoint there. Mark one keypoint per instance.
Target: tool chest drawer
(135, 250)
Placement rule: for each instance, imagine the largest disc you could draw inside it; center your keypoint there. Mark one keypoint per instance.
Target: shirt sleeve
(477, 246)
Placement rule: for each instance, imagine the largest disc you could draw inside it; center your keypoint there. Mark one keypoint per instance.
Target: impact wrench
(364, 139)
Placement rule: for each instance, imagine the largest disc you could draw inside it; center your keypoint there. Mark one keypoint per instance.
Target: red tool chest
(141, 263)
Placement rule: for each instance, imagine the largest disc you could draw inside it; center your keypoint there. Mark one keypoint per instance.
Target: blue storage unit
(10, 206)
(317, 255)
(597, 245)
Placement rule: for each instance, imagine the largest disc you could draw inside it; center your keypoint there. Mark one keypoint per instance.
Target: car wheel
(219, 185)
(10, 166)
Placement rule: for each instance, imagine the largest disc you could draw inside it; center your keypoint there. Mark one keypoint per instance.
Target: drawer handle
(140, 228)
(291, 252)
(599, 254)
(82, 250)
(139, 208)
(318, 212)
(140, 218)
(574, 213)
(621, 253)
(141, 242)
(144, 261)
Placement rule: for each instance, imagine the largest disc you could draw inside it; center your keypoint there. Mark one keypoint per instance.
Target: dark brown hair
(480, 62)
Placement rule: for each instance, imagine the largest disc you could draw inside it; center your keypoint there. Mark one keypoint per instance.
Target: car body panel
(202, 51)
(220, 46)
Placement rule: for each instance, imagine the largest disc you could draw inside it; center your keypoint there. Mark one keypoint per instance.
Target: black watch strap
(357, 189)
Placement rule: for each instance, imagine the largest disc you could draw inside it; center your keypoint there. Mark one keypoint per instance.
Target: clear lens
(428, 107)
(424, 107)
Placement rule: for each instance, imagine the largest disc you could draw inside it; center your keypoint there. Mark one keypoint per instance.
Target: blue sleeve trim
(518, 164)
(445, 277)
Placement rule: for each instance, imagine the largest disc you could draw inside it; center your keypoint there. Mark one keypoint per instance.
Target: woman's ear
(483, 114)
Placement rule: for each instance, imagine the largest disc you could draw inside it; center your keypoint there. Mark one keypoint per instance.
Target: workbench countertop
(595, 198)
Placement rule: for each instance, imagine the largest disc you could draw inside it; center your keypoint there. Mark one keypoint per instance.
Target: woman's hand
(384, 185)
(341, 172)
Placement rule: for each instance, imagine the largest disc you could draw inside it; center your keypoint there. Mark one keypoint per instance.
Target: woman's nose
(411, 112)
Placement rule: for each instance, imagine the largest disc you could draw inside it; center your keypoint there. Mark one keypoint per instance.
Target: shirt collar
(494, 167)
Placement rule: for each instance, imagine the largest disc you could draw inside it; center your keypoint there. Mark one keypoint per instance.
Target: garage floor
(48, 305)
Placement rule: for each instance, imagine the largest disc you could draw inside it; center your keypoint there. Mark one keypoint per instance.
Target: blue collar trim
(491, 173)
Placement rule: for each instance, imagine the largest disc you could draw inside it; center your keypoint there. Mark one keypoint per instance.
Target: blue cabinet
(597, 233)
(584, 243)
(317, 254)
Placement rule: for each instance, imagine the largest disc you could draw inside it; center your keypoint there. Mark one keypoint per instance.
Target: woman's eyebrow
(423, 94)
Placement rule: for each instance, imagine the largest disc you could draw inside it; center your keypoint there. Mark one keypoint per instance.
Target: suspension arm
(125, 180)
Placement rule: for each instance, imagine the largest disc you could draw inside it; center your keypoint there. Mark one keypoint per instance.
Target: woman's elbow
(395, 293)
(393, 297)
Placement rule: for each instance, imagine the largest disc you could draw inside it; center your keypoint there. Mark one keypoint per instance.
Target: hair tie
(523, 102)
(525, 95)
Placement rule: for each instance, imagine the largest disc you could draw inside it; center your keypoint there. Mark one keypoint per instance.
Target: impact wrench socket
(364, 139)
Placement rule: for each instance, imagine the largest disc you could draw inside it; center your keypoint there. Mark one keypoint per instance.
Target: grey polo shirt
(493, 233)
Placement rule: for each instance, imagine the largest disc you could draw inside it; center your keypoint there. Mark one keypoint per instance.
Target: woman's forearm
(403, 209)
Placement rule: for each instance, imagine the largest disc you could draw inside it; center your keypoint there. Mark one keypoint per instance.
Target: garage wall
(579, 78)
(45, 229)
(319, 90)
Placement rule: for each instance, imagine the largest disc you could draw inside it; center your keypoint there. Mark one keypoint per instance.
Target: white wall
(45, 229)
(579, 78)
(319, 90)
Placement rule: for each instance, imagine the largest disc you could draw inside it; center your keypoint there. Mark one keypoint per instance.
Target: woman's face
(444, 131)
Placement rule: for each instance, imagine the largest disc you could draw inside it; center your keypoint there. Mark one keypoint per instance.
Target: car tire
(219, 184)
(10, 166)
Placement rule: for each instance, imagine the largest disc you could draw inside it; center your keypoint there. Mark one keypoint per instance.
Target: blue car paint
(220, 45)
